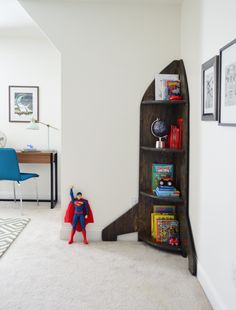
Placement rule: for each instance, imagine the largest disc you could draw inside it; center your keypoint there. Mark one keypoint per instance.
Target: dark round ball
(159, 129)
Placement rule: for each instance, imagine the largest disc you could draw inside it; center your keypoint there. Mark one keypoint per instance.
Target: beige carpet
(40, 271)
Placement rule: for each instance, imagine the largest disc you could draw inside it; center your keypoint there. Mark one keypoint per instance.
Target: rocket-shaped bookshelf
(137, 219)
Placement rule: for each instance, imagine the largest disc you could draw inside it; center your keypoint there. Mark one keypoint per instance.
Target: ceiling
(15, 21)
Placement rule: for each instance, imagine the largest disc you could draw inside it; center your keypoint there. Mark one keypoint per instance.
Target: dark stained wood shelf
(138, 218)
(153, 149)
(163, 199)
(162, 246)
(164, 102)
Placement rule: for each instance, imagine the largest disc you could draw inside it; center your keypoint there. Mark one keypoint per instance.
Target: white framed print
(23, 103)
(210, 89)
(227, 96)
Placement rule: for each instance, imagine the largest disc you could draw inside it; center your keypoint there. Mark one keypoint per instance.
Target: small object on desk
(30, 148)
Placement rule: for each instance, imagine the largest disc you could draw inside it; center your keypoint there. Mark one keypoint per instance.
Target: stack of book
(164, 226)
(170, 191)
(167, 85)
(176, 135)
(162, 180)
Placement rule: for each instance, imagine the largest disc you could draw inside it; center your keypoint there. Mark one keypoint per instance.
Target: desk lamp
(33, 125)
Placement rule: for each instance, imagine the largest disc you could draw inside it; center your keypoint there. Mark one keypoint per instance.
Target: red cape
(70, 213)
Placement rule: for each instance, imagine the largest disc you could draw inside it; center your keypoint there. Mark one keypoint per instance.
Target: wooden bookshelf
(164, 102)
(162, 199)
(138, 218)
(161, 246)
(167, 150)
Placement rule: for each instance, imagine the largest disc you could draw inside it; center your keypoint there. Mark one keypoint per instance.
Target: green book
(161, 171)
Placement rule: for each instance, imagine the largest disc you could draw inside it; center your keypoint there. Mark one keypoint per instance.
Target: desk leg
(52, 180)
(56, 179)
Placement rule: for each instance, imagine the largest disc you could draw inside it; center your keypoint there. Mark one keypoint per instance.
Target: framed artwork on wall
(23, 103)
(227, 96)
(210, 89)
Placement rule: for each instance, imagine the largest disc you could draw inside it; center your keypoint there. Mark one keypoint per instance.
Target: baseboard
(92, 235)
(209, 289)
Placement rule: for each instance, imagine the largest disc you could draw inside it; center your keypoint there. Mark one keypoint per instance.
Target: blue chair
(9, 171)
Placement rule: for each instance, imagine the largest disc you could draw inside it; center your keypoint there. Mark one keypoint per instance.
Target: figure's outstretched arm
(72, 195)
(86, 208)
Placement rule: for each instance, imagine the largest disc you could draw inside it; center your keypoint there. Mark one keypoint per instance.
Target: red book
(171, 136)
(180, 123)
(174, 137)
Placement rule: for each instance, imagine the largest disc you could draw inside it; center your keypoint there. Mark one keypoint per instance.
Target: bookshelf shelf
(162, 199)
(138, 218)
(162, 246)
(153, 149)
(164, 102)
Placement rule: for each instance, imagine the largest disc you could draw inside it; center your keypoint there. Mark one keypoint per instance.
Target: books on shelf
(166, 229)
(159, 216)
(176, 135)
(162, 180)
(161, 86)
(164, 209)
(164, 225)
(167, 193)
(161, 171)
(173, 88)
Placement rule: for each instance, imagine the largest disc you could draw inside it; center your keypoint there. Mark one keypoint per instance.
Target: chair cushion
(26, 176)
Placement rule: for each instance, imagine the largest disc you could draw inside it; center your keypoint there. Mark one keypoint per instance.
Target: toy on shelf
(160, 130)
(173, 241)
(174, 235)
(176, 98)
(79, 214)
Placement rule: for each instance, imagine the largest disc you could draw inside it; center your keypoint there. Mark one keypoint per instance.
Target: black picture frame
(25, 117)
(227, 104)
(210, 100)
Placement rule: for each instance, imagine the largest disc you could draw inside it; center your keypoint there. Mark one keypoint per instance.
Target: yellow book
(158, 216)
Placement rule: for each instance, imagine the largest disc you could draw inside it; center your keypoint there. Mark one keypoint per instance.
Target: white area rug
(10, 228)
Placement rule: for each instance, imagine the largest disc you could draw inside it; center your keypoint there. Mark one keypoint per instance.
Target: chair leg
(37, 191)
(14, 191)
(21, 203)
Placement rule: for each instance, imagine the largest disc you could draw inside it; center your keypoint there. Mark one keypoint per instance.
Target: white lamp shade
(33, 125)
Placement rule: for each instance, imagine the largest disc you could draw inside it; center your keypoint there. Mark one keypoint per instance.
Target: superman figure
(79, 214)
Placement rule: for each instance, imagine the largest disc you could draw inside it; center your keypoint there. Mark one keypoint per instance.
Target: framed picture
(210, 89)
(23, 103)
(227, 97)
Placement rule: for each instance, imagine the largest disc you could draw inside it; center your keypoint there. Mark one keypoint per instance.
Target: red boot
(84, 235)
(72, 236)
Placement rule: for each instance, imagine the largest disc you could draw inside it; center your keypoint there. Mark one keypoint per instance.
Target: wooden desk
(42, 157)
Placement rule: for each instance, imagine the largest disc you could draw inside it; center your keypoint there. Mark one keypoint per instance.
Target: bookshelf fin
(125, 224)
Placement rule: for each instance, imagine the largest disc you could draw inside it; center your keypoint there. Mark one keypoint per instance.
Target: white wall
(110, 53)
(208, 25)
(30, 61)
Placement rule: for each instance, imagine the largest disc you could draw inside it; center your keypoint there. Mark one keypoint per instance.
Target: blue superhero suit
(76, 215)
(81, 209)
